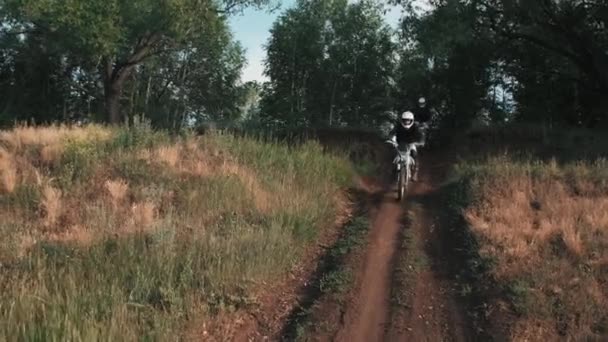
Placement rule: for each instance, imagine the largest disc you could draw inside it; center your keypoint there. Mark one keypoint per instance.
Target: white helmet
(407, 119)
(422, 102)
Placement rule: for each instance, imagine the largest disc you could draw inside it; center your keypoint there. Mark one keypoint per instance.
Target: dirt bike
(405, 166)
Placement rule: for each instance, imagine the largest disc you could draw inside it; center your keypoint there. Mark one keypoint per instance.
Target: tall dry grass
(22, 137)
(117, 190)
(130, 233)
(52, 205)
(143, 216)
(543, 227)
(8, 171)
(170, 155)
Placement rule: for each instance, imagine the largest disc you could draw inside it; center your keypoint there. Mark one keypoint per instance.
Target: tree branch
(144, 49)
(233, 4)
(537, 41)
(16, 33)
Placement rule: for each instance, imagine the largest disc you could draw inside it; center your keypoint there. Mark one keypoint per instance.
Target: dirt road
(434, 313)
(368, 315)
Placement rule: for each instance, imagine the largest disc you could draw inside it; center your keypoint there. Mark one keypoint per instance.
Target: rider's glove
(392, 141)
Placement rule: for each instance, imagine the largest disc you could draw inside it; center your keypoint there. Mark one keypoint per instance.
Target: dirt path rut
(368, 315)
(434, 313)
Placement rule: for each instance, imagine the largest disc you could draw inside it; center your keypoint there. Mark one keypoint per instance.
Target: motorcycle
(405, 166)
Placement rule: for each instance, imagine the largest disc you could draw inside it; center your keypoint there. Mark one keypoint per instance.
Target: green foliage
(354, 236)
(446, 61)
(330, 63)
(140, 134)
(32, 81)
(502, 60)
(336, 282)
(557, 45)
(78, 161)
(518, 293)
(59, 52)
(338, 279)
(107, 28)
(200, 82)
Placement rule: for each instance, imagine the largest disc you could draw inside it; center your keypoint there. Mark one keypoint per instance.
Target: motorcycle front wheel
(402, 184)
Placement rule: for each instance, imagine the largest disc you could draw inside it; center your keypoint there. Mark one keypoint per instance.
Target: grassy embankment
(124, 234)
(535, 211)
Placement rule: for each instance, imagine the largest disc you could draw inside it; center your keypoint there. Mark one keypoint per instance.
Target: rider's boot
(395, 178)
(415, 168)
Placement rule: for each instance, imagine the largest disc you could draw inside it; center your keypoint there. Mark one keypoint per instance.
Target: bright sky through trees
(252, 29)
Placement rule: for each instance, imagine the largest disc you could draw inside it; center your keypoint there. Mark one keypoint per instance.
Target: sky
(252, 29)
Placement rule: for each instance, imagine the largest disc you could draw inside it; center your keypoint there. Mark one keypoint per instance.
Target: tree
(198, 82)
(329, 63)
(117, 36)
(573, 29)
(557, 45)
(446, 61)
(38, 82)
(250, 101)
(543, 60)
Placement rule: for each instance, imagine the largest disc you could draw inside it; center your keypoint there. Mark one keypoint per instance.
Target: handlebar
(396, 146)
(390, 142)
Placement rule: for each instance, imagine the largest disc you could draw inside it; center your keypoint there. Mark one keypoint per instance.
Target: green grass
(337, 282)
(209, 247)
(339, 277)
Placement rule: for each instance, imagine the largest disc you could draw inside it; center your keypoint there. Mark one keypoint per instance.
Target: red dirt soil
(368, 313)
(435, 314)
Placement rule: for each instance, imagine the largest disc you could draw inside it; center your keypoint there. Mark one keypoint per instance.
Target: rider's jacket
(423, 115)
(407, 136)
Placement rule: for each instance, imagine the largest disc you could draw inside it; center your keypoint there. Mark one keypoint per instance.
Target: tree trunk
(114, 80)
(132, 98)
(182, 98)
(148, 87)
(113, 91)
(293, 80)
(115, 73)
(331, 103)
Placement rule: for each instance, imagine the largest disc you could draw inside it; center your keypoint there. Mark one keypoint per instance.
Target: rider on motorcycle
(406, 132)
(423, 112)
